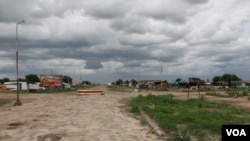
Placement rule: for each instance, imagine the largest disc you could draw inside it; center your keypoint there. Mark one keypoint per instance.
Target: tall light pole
(18, 102)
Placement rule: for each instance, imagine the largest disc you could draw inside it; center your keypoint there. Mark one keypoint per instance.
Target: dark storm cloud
(93, 63)
(109, 9)
(132, 64)
(117, 38)
(225, 58)
(7, 43)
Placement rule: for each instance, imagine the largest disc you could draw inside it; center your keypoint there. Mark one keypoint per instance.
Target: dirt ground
(65, 117)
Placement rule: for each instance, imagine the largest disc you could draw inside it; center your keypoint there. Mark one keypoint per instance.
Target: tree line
(225, 77)
(33, 78)
(125, 82)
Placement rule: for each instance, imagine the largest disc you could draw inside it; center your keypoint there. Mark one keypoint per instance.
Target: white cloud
(118, 39)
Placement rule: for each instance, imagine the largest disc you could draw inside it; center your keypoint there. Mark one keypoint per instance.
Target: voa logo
(236, 132)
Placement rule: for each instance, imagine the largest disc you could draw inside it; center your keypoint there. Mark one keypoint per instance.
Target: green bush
(245, 93)
(181, 134)
(232, 93)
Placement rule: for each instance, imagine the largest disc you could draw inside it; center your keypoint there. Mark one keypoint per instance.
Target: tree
(230, 77)
(67, 79)
(134, 82)
(21, 79)
(216, 79)
(126, 82)
(178, 80)
(119, 82)
(227, 78)
(4, 80)
(32, 78)
(86, 82)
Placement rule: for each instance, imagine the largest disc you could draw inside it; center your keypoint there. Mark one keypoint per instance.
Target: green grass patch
(199, 116)
(4, 101)
(118, 88)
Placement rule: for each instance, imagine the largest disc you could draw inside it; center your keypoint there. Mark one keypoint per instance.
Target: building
(220, 85)
(13, 85)
(51, 81)
(153, 84)
(22, 86)
(241, 84)
(195, 83)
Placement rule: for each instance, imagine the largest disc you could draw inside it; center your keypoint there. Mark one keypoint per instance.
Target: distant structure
(51, 81)
(153, 84)
(195, 83)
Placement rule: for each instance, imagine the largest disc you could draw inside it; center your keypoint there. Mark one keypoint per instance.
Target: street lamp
(18, 102)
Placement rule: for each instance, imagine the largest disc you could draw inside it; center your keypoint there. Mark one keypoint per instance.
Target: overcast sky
(104, 40)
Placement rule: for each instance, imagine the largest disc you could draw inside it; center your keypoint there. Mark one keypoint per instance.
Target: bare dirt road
(70, 117)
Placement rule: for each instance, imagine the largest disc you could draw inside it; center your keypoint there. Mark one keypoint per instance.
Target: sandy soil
(65, 117)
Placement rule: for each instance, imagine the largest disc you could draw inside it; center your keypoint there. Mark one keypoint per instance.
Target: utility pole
(161, 77)
(18, 102)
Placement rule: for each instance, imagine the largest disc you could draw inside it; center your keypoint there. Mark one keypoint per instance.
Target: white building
(12, 85)
(22, 86)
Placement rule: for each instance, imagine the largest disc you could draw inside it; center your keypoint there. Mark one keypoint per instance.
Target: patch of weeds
(143, 121)
(217, 94)
(245, 93)
(180, 134)
(196, 114)
(232, 93)
(4, 101)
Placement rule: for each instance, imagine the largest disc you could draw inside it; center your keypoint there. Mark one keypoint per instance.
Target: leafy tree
(178, 80)
(134, 82)
(4, 80)
(216, 79)
(119, 82)
(227, 78)
(67, 79)
(21, 79)
(86, 82)
(126, 82)
(32, 78)
(230, 77)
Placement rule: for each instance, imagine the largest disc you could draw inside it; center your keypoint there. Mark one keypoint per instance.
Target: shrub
(245, 93)
(232, 93)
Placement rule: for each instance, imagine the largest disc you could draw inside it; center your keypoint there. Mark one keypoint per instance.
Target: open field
(63, 117)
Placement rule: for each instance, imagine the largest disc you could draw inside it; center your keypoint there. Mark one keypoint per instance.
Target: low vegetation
(230, 93)
(120, 88)
(187, 119)
(4, 101)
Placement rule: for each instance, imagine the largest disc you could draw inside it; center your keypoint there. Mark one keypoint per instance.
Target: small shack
(153, 84)
(196, 83)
